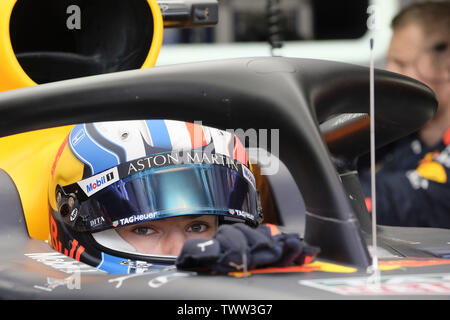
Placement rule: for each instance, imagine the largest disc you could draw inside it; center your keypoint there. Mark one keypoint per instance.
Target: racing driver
(161, 192)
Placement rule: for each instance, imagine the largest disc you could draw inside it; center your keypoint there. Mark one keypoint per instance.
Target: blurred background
(319, 29)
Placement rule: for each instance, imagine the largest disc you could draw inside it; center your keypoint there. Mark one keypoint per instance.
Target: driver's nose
(173, 242)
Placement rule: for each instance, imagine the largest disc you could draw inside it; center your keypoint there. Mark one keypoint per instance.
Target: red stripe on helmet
(239, 152)
(195, 129)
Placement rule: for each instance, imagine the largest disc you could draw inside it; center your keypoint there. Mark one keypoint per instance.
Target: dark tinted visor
(165, 192)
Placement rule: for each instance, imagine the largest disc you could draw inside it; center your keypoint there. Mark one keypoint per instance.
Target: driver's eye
(198, 227)
(143, 231)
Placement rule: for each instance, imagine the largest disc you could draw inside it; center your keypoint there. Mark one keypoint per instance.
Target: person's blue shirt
(412, 184)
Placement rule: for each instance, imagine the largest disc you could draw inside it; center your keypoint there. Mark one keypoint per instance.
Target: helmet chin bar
(112, 240)
(109, 241)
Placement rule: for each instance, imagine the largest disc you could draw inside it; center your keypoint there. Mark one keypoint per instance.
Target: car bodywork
(320, 109)
(298, 94)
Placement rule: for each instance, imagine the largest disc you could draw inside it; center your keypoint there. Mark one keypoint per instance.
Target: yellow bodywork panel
(28, 158)
(12, 76)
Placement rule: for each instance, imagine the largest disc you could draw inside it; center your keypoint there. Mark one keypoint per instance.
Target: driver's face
(167, 236)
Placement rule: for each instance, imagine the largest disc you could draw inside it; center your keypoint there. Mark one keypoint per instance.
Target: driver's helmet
(108, 175)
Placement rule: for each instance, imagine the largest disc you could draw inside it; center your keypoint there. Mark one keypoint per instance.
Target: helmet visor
(165, 192)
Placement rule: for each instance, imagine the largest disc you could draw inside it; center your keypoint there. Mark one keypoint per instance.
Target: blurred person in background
(413, 186)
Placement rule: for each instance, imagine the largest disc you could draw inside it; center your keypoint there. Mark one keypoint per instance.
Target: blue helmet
(115, 174)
